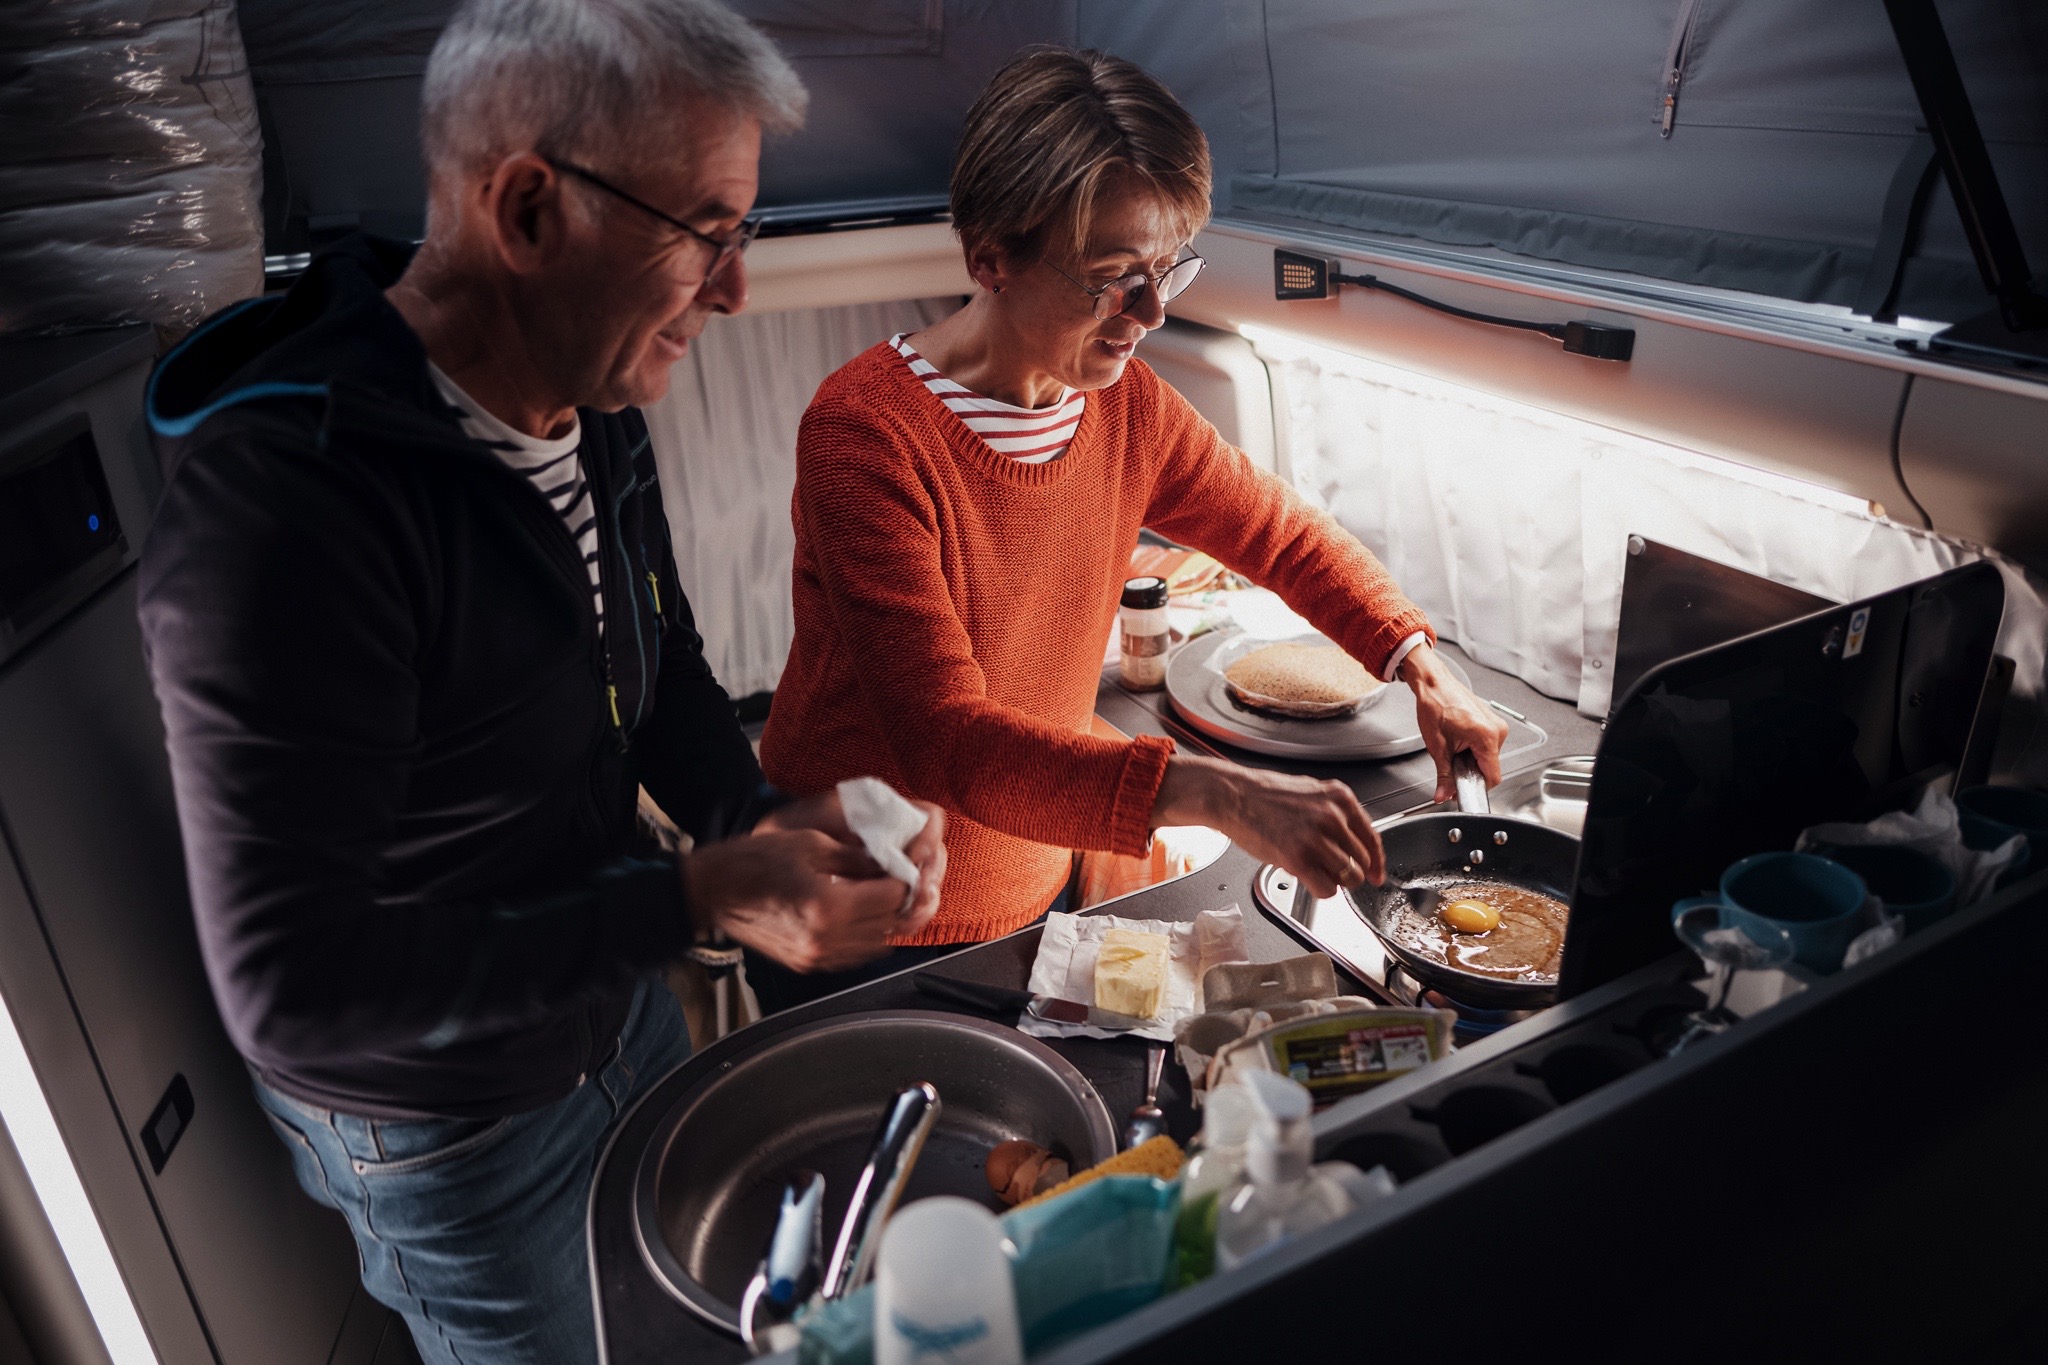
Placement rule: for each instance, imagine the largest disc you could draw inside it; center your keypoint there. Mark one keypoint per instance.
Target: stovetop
(1334, 927)
(1553, 794)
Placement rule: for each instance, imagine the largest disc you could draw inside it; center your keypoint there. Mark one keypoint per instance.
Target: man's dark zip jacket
(405, 762)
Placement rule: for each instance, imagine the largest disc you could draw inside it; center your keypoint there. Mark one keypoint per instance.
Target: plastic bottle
(943, 1291)
(1284, 1193)
(1216, 1168)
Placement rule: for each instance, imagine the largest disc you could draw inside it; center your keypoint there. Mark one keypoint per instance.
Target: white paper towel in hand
(885, 822)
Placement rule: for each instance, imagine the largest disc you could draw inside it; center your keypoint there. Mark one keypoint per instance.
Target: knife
(1007, 1000)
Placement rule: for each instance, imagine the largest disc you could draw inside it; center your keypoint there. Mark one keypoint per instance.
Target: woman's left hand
(822, 812)
(1453, 718)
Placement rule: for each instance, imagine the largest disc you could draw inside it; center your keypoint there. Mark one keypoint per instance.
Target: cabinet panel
(1978, 461)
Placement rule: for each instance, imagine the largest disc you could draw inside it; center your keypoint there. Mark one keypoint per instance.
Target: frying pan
(1467, 845)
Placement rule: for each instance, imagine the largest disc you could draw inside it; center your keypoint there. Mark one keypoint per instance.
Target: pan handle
(1472, 798)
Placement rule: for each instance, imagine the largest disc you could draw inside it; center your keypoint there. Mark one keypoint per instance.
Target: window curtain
(725, 444)
(1509, 525)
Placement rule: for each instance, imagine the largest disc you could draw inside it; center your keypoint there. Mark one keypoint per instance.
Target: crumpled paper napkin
(885, 822)
(1065, 967)
(1934, 828)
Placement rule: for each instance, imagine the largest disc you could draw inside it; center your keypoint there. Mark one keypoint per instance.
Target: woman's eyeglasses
(1118, 295)
(724, 249)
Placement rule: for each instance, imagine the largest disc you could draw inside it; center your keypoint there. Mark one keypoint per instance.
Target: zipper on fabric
(654, 586)
(1674, 65)
(626, 562)
(611, 697)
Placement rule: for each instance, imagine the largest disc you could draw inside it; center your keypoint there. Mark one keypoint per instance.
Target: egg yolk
(1469, 917)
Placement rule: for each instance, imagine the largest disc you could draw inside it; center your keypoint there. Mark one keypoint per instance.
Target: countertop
(641, 1324)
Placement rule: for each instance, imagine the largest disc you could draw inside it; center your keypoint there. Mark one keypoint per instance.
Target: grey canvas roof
(1535, 129)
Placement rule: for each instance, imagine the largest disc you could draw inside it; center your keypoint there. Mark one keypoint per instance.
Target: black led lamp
(1298, 275)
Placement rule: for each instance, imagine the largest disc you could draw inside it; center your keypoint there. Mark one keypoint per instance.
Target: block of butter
(1130, 972)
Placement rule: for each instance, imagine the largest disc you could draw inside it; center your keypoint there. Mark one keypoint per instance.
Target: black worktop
(641, 1324)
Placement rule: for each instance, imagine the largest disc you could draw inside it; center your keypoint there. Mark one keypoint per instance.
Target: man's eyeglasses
(1118, 295)
(723, 249)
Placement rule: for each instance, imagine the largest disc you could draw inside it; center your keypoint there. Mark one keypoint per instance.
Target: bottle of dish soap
(1211, 1173)
(1284, 1192)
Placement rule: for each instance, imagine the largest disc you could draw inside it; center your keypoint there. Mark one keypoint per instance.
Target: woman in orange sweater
(967, 501)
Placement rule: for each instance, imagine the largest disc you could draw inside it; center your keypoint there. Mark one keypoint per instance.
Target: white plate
(1384, 725)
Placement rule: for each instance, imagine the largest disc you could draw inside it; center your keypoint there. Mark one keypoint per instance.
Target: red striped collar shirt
(1026, 435)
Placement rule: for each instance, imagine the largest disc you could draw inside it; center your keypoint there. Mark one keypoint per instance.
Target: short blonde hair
(1051, 130)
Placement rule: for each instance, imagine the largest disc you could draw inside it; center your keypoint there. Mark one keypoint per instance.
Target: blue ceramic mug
(1991, 815)
(1817, 902)
(1914, 886)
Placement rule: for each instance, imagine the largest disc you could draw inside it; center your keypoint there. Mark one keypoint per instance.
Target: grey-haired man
(417, 636)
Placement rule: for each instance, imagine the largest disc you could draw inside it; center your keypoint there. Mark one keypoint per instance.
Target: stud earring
(995, 289)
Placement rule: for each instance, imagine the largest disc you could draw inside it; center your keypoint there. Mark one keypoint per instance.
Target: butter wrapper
(1065, 967)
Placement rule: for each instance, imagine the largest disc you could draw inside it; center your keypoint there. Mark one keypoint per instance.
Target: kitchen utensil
(1054, 1010)
(899, 1141)
(1424, 899)
(1148, 1120)
(1912, 885)
(791, 1269)
(1385, 726)
(1432, 851)
(708, 1186)
(1005, 1000)
(1818, 903)
(1728, 941)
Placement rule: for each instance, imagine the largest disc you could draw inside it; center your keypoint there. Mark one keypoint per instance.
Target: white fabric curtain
(1509, 524)
(725, 443)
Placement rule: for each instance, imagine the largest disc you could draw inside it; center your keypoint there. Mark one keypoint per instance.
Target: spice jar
(1142, 612)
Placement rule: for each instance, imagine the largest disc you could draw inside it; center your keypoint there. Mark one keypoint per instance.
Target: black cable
(1898, 464)
(1549, 329)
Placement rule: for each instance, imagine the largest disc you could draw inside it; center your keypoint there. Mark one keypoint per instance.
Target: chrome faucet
(898, 1142)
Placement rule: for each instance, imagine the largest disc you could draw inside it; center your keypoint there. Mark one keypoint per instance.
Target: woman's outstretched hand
(1453, 718)
(1313, 828)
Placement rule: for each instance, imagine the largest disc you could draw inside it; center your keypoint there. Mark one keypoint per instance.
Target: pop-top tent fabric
(1536, 130)
(1541, 130)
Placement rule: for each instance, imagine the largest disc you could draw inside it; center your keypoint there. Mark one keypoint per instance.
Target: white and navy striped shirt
(551, 466)
(1026, 435)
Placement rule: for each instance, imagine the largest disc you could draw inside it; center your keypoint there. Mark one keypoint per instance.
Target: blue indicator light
(92, 522)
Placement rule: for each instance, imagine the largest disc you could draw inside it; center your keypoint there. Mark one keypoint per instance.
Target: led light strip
(25, 1111)
(1290, 345)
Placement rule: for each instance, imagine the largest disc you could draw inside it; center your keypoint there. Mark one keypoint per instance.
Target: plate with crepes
(1301, 697)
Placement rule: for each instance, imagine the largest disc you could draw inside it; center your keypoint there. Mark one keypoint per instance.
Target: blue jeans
(474, 1229)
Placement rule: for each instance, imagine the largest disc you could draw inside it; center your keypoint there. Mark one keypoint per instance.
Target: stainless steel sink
(1554, 794)
(707, 1189)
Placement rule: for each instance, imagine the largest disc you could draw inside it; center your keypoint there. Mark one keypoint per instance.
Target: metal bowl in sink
(707, 1189)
